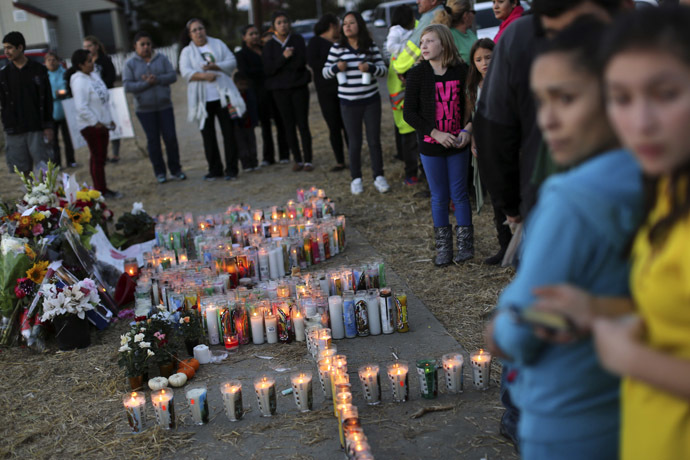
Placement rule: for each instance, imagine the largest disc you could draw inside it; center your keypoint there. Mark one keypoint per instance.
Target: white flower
(138, 208)
(145, 345)
(143, 329)
(138, 338)
(181, 320)
(149, 353)
(124, 348)
(124, 339)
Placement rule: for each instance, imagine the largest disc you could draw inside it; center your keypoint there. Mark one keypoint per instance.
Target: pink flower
(159, 336)
(37, 229)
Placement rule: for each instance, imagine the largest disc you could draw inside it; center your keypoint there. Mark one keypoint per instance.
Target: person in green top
(458, 15)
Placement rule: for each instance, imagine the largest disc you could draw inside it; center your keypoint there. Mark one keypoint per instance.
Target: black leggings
(293, 105)
(208, 133)
(330, 109)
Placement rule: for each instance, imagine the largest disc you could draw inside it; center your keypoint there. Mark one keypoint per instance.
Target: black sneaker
(231, 177)
(112, 194)
(210, 177)
(161, 179)
(179, 176)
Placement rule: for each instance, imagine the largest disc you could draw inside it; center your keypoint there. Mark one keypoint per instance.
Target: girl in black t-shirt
(434, 107)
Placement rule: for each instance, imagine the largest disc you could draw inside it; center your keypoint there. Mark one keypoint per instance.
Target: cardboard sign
(119, 112)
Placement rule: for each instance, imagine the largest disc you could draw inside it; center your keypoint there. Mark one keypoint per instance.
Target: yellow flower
(78, 227)
(25, 221)
(86, 215)
(38, 271)
(38, 216)
(94, 194)
(83, 195)
(29, 252)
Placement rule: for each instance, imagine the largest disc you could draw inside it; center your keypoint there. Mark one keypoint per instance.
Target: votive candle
(232, 399)
(134, 406)
(302, 390)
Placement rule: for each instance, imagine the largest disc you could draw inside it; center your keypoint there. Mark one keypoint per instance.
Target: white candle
(265, 388)
(301, 389)
(452, 368)
(374, 312)
(312, 339)
(257, 321)
(481, 369)
(211, 313)
(264, 269)
(335, 309)
(281, 260)
(198, 403)
(273, 263)
(298, 322)
(134, 406)
(163, 405)
(271, 329)
(202, 354)
(325, 377)
(232, 399)
(371, 383)
(397, 374)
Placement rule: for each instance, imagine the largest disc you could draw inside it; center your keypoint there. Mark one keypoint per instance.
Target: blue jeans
(157, 124)
(447, 178)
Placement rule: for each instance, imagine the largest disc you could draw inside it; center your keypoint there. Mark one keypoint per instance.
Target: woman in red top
(506, 11)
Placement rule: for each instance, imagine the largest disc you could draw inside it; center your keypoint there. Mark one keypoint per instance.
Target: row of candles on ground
(335, 383)
(249, 255)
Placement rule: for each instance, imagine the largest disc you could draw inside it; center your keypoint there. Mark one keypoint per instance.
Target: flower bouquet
(133, 228)
(66, 307)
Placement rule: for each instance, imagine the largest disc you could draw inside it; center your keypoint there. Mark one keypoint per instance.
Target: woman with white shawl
(207, 64)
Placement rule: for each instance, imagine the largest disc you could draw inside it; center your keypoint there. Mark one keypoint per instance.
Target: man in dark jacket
(27, 107)
(505, 128)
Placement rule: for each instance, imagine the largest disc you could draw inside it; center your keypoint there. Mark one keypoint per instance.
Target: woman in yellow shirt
(647, 79)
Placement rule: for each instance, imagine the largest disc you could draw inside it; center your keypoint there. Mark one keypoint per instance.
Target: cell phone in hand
(552, 322)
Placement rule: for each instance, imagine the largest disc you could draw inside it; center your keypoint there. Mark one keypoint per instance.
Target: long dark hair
(79, 57)
(474, 77)
(325, 22)
(364, 41)
(662, 30)
(403, 16)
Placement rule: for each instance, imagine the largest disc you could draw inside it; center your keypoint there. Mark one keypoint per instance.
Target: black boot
(465, 243)
(504, 237)
(444, 246)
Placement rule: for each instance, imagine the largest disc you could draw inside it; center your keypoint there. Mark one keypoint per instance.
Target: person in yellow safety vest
(409, 55)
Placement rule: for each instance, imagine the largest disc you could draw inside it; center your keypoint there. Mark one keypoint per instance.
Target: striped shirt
(354, 91)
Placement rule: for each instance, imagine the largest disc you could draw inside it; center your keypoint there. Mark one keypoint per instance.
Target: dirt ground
(397, 225)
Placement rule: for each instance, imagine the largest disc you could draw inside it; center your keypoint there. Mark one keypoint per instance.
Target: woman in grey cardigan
(148, 75)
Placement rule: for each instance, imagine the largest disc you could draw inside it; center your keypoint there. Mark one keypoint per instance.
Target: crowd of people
(574, 119)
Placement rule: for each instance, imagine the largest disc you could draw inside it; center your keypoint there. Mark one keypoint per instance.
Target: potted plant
(66, 307)
(134, 354)
(190, 328)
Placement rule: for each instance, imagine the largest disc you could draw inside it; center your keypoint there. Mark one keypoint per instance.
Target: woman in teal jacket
(577, 233)
(56, 73)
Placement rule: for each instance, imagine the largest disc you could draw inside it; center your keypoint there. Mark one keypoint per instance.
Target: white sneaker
(381, 184)
(356, 186)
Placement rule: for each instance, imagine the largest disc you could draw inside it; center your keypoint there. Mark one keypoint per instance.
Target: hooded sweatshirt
(91, 99)
(149, 98)
(576, 234)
